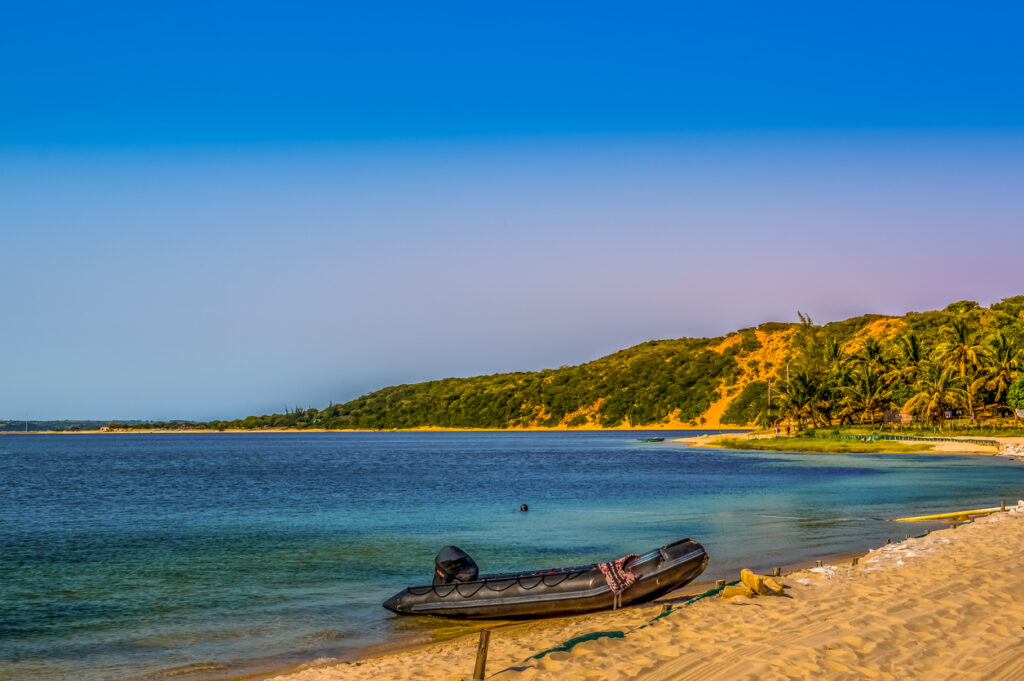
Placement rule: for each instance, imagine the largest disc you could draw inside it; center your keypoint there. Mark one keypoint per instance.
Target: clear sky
(215, 209)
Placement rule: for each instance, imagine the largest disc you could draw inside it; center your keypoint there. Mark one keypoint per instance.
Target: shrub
(1015, 396)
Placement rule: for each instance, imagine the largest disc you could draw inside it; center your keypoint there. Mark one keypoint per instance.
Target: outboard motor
(452, 564)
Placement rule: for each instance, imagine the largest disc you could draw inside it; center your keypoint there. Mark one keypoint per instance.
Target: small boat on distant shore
(459, 591)
(650, 439)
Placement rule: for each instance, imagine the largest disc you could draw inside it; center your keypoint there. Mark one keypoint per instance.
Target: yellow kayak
(952, 514)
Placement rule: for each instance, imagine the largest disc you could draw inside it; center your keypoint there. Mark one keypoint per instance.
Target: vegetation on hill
(16, 426)
(1015, 395)
(929, 364)
(939, 365)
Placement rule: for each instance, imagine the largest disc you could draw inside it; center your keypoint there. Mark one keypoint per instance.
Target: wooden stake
(720, 584)
(817, 563)
(1002, 505)
(888, 540)
(481, 654)
(855, 561)
(907, 536)
(776, 572)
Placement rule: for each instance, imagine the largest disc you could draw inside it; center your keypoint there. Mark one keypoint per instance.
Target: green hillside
(841, 372)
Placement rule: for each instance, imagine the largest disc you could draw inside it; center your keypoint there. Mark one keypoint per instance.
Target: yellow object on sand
(953, 514)
(737, 590)
(760, 584)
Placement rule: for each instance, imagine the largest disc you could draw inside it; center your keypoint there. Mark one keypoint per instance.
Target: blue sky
(219, 209)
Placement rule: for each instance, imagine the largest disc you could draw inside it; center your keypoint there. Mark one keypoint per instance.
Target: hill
(694, 382)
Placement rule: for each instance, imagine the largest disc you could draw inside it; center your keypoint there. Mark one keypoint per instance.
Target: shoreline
(285, 668)
(424, 429)
(942, 607)
(953, 446)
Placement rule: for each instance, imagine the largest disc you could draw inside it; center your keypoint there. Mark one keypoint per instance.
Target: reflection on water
(124, 555)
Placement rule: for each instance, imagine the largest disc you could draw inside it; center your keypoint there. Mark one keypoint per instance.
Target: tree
(836, 364)
(1015, 395)
(959, 350)
(936, 392)
(801, 399)
(1002, 362)
(905, 366)
(871, 357)
(1014, 307)
(867, 393)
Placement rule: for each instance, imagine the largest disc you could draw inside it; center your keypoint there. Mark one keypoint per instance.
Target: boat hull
(548, 593)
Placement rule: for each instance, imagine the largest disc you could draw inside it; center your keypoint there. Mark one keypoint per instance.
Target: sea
(199, 556)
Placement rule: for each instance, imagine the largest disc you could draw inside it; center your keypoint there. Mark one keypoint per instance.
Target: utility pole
(790, 423)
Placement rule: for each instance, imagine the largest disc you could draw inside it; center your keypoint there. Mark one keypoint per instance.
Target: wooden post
(481, 654)
(817, 563)
(720, 584)
(907, 536)
(888, 540)
(1002, 505)
(665, 608)
(854, 561)
(776, 572)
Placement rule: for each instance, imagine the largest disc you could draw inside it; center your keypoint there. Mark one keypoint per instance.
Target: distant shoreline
(717, 440)
(423, 429)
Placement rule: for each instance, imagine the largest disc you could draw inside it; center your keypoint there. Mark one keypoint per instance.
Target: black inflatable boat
(460, 591)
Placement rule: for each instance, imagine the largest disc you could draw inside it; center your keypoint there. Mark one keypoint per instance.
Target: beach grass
(821, 445)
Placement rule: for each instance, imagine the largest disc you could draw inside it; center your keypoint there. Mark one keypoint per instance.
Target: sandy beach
(949, 605)
(955, 445)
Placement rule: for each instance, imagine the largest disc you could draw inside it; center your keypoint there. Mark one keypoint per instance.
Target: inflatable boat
(459, 591)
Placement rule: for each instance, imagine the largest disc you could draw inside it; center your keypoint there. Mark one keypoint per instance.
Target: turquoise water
(131, 556)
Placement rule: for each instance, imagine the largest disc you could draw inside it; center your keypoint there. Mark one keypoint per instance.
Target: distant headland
(961, 362)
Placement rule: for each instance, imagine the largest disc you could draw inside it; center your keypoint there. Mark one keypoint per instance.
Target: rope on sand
(566, 646)
(571, 643)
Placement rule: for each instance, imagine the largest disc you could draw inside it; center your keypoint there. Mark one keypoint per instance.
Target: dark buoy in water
(524, 507)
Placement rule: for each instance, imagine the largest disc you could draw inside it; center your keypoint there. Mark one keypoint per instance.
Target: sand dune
(946, 606)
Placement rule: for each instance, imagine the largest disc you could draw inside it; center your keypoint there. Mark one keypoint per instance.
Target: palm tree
(959, 350)
(905, 366)
(936, 392)
(1002, 363)
(907, 358)
(836, 365)
(871, 356)
(832, 353)
(867, 393)
(801, 399)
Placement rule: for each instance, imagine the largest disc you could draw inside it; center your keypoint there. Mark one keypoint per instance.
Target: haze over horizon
(226, 211)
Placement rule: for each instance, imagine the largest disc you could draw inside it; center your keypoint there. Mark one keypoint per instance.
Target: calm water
(123, 556)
